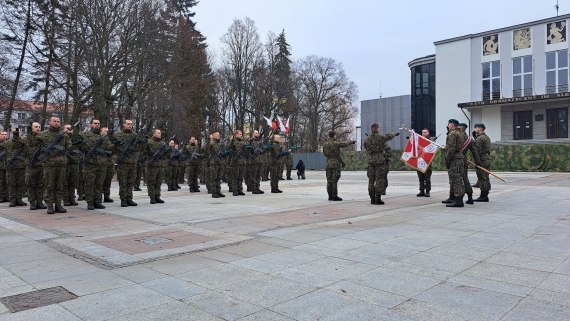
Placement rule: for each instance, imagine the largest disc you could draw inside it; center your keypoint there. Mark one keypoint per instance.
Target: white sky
(373, 39)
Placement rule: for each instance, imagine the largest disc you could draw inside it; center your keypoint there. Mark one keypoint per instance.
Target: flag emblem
(419, 152)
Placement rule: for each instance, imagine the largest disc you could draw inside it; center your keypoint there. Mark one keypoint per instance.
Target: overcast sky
(373, 39)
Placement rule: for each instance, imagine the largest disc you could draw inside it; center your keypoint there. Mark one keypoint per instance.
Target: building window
(557, 123)
(556, 72)
(21, 116)
(522, 125)
(491, 80)
(522, 76)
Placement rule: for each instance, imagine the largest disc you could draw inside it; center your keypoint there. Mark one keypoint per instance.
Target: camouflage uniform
(289, 165)
(425, 178)
(94, 168)
(266, 160)
(155, 171)
(192, 165)
(109, 173)
(54, 166)
(483, 143)
(455, 163)
(255, 167)
(238, 165)
(34, 173)
(473, 148)
(16, 174)
(214, 171)
(3, 181)
(377, 171)
(171, 170)
(80, 183)
(276, 165)
(127, 167)
(331, 149)
(72, 174)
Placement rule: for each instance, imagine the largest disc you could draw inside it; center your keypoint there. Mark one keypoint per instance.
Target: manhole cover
(36, 299)
(65, 218)
(316, 215)
(155, 240)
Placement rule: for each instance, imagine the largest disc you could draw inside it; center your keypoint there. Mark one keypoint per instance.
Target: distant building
(423, 95)
(390, 113)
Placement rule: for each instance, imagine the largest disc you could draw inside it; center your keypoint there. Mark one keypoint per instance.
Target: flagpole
(403, 127)
(486, 171)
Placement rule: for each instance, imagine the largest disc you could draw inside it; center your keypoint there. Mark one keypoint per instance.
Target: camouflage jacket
(235, 145)
(471, 147)
(289, 159)
(453, 144)
(90, 138)
(212, 148)
(2, 149)
(32, 143)
(375, 145)
(12, 146)
(188, 150)
(58, 158)
(152, 147)
(126, 135)
(273, 149)
(260, 158)
(483, 143)
(331, 149)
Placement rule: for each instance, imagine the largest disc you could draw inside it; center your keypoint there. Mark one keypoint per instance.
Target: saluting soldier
(3, 181)
(455, 162)
(289, 163)
(483, 143)
(34, 170)
(109, 169)
(378, 163)
(425, 178)
(16, 170)
(239, 161)
(331, 149)
(193, 163)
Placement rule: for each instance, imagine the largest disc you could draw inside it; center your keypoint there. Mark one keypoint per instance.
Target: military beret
(463, 125)
(453, 121)
(479, 125)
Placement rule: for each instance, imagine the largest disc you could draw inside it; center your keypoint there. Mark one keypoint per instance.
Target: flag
(287, 126)
(270, 123)
(419, 152)
(281, 125)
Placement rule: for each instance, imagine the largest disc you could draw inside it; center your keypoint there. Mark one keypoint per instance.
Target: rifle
(195, 154)
(12, 160)
(259, 149)
(174, 156)
(96, 150)
(160, 152)
(241, 150)
(55, 144)
(278, 155)
(35, 155)
(3, 156)
(70, 155)
(129, 147)
(221, 150)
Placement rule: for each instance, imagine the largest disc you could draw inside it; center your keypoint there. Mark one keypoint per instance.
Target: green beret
(479, 125)
(453, 121)
(463, 125)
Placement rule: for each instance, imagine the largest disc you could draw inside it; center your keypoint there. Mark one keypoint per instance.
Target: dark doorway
(557, 123)
(522, 125)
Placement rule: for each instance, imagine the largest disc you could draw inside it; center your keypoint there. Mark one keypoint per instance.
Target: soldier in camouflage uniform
(275, 153)
(265, 166)
(155, 170)
(455, 162)
(378, 164)
(483, 143)
(170, 170)
(94, 168)
(80, 182)
(109, 170)
(469, 145)
(238, 162)
(127, 162)
(72, 168)
(193, 163)
(255, 164)
(212, 148)
(331, 149)
(289, 163)
(16, 171)
(34, 170)
(139, 173)
(54, 166)
(3, 182)
(425, 178)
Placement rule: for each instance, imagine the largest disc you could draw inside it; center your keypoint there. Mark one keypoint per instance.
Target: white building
(514, 80)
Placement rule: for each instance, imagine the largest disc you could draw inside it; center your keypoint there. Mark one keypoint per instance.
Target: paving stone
(307, 277)
(368, 294)
(181, 264)
(138, 273)
(555, 298)
(507, 274)
(325, 251)
(401, 283)
(174, 287)
(220, 256)
(266, 315)
(289, 257)
(464, 252)
(223, 306)
(496, 286)
(440, 262)
(52, 312)
(335, 268)
(424, 311)
(259, 265)
(530, 309)
(219, 275)
(355, 312)
(16, 290)
(557, 283)
(340, 243)
(546, 264)
(564, 268)
(250, 249)
(172, 311)
(420, 270)
(302, 236)
(315, 305)
(87, 283)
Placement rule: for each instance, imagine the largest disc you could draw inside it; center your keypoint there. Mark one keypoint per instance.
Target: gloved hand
(142, 140)
(79, 142)
(167, 149)
(249, 147)
(118, 142)
(479, 164)
(397, 134)
(447, 165)
(353, 142)
(474, 134)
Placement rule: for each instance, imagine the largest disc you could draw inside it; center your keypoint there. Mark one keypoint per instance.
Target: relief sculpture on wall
(556, 32)
(521, 39)
(490, 45)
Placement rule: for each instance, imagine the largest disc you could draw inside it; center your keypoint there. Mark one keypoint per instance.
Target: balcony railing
(491, 96)
(554, 89)
(522, 92)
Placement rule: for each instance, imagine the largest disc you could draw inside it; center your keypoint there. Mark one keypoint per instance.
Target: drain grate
(65, 218)
(155, 240)
(36, 299)
(316, 215)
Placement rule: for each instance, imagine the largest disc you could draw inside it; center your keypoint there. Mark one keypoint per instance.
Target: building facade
(390, 113)
(422, 91)
(514, 80)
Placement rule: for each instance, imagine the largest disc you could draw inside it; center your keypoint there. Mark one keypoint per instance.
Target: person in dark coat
(300, 169)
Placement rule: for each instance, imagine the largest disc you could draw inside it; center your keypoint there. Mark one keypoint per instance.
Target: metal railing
(491, 96)
(554, 89)
(522, 92)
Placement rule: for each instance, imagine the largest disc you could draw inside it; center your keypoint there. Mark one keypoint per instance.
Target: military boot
(80, 197)
(19, 202)
(449, 200)
(12, 203)
(469, 198)
(427, 193)
(98, 205)
(152, 200)
(131, 203)
(274, 190)
(220, 194)
(255, 191)
(330, 196)
(483, 198)
(107, 199)
(90, 206)
(40, 205)
(137, 188)
(169, 188)
(124, 203)
(72, 202)
(336, 198)
(240, 192)
(66, 203)
(2, 199)
(249, 189)
(191, 189)
(215, 194)
(289, 178)
(33, 206)
(457, 202)
(421, 193)
(158, 200)
(59, 208)
(260, 191)
(50, 209)
(379, 200)
(372, 199)
(235, 193)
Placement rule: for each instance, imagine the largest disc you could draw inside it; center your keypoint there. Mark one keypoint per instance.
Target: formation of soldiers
(54, 164)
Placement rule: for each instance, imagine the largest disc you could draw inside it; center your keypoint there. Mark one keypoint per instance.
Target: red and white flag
(270, 123)
(287, 126)
(419, 152)
(281, 125)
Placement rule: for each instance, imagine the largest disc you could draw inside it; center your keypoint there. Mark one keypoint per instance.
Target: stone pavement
(297, 256)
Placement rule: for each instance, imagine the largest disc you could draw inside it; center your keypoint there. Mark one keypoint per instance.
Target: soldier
(276, 165)
(289, 163)
(378, 163)
(80, 182)
(193, 163)
(212, 149)
(16, 168)
(54, 165)
(109, 170)
(94, 163)
(255, 163)
(331, 149)
(139, 173)
(34, 170)
(483, 143)
(238, 162)
(425, 178)
(156, 165)
(469, 145)
(127, 162)
(455, 162)
(72, 172)
(3, 182)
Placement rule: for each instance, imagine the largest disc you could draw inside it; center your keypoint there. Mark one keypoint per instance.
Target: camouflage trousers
(109, 173)
(482, 177)
(289, 169)
(425, 179)
(80, 182)
(181, 173)
(53, 183)
(93, 178)
(16, 183)
(214, 173)
(275, 170)
(171, 175)
(3, 183)
(155, 176)
(282, 170)
(126, 175)
(455, 173)
(70, 181)
(228, 175)
(254, 176)
(139, 174)
(247, 176)
(333, 175)
(265, 169)
(35, 183)
(192, 174)
(467, 186)
(237, 177)
(377, 179)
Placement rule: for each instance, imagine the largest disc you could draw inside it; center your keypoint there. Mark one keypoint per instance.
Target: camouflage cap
(453, 121)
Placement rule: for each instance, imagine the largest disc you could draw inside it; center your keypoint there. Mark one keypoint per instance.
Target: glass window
(527, 61)
(495, 69)
(491, 72)
(562, 58)
(486, 86)
(516, 66)
(522, 76)
(486, 70)
(551, 78)
(517, 82)
(556, 71)
(550, 60)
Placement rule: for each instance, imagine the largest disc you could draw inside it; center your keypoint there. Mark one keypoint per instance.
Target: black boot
(124, 203)
(220, 194)
(330, 196)
(240, 192)
(379, 200)
(59, 208)
(483, 198)
(260, 191)
(336, 198)
(50, 209)
(255, 192)
(73, 202)
(372, 199)
(152, 200)
(33, 206)
(98, 205)
(235, 193)
(427, 193)
(289, 178)
(215, 195)
(384, 193)
(66, 203)
(457, 202)
(40, 205)
(90, 207)
(249, 189)
(274, 190)
(449, 200)
(107, 199)
(131, 203)
(2, 199)
(138, 189)
(421, 193)
(80, 197)
(12, 204)
(191, 189)
(209, 191)
(469, 198)
(169, 188)
(158, 200)
(476, 185)
(19, 202)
